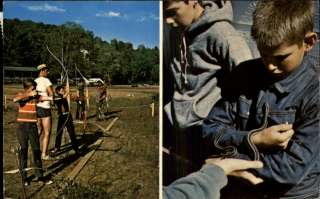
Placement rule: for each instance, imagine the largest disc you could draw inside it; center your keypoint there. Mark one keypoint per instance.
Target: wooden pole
(152, 109)
(5, 103)
(111, 124)
(71, 176)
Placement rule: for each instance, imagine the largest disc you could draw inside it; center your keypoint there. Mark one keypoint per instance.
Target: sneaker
(43, 180)
(48, 182)
(79, 152)
(47, 157)
(26, 183)
(55, 151)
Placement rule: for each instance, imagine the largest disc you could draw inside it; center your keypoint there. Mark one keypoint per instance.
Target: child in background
(81, 102)
(100, 101)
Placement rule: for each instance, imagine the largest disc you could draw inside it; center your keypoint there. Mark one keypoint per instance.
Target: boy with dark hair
(27, 129)
(209, 46)
(274, 104)
(64, 120)
(205, 48)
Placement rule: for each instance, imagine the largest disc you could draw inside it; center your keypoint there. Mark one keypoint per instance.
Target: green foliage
(115, 61)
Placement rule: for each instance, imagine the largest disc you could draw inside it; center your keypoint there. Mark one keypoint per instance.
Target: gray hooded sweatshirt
(203, 184)
(209, 46)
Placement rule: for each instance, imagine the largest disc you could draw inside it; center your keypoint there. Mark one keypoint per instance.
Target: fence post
(5, 103)
(152, 106)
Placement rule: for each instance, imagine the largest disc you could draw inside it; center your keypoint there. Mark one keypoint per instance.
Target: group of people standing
(34, 119)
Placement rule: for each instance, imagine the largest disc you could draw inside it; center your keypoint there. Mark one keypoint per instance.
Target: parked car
(95, 81)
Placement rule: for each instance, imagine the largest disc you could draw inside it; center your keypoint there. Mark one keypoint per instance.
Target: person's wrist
(256, 138)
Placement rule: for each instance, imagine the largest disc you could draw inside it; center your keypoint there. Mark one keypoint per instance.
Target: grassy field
(124, 166)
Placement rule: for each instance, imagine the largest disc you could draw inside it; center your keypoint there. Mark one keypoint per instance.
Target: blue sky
(136, 22)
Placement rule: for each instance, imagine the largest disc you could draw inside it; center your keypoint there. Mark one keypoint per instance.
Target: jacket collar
(289, 84)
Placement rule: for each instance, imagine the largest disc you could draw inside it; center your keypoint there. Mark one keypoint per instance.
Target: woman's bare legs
(46, 128)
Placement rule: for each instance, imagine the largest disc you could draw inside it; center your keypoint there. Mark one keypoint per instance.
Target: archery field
(121, 153)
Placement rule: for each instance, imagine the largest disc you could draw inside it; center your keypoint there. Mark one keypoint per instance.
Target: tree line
(116, 61)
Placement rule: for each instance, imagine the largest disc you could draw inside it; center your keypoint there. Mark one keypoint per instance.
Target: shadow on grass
(105, 113)
(36, 191)
(86, 140)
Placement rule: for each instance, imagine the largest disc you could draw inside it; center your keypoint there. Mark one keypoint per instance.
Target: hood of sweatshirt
(214, 11)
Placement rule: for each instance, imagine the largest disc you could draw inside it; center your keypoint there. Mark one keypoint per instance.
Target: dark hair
(278, 21)
(167, 2)
(58, 88)
(28, 83)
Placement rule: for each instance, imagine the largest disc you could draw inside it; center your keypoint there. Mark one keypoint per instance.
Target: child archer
(28, 130)
(64, 120)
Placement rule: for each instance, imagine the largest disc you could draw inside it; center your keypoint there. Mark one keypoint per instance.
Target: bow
(65, 75)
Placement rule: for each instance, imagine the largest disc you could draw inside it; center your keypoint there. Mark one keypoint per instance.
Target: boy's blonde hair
(278, 21)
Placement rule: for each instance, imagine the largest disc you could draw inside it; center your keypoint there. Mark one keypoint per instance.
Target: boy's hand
(237, 168)
(32, 93)
(277, 135)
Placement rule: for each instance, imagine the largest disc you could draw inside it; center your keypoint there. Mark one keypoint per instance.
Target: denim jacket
(253, 101)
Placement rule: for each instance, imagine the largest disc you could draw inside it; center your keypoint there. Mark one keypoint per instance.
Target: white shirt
(42, 85)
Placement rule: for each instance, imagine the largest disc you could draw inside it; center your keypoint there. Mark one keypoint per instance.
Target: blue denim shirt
(253, 101)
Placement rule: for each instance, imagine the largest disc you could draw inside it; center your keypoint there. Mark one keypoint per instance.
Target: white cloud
(147, 17)
(154, 17)
(142, 19)
(109, 14)
(46, 8)
(114, 14)
(77, 21)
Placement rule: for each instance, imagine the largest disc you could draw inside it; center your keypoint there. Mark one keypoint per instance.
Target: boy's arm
(23, 96)
(210, 179)
(66, 94)
(50, 94)
(293, 164)
(220, 128)
(205, 183)
(287, 166)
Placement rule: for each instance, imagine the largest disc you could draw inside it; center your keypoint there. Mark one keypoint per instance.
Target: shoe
(48, 182)
(43, 180)
(79, 152)
(55, 151)
(26, 183)
(47, 157)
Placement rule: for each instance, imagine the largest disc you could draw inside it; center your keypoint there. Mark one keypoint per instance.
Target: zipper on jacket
(253, 132)
(183, 58)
